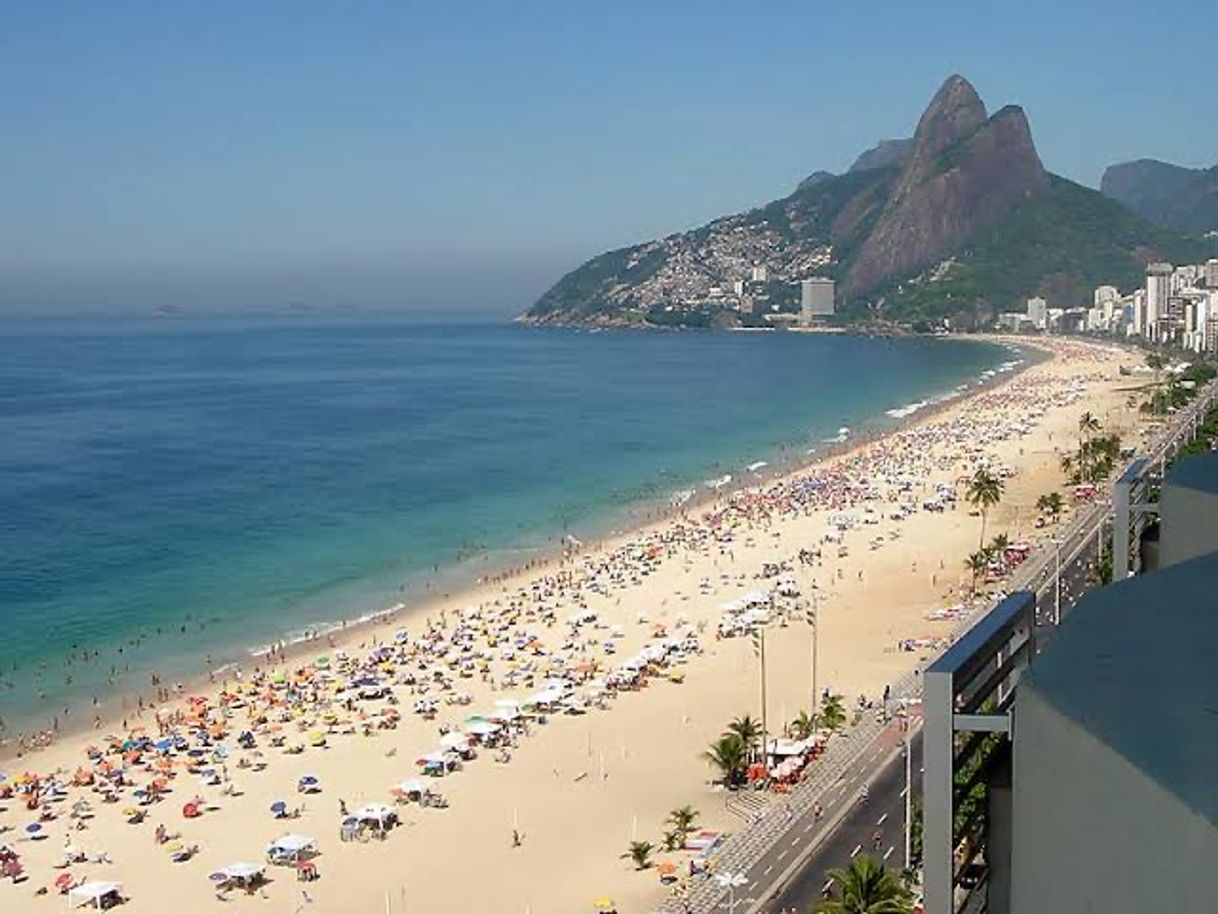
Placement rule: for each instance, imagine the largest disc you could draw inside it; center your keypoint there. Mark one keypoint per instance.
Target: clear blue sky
(245, 154)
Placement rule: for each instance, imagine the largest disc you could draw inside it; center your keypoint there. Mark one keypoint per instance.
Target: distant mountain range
(960, 221)
(1185, 199)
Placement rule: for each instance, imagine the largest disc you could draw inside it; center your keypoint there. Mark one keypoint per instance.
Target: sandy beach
(539, 816)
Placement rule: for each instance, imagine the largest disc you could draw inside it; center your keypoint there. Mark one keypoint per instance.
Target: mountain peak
(953, 114)
(966, 172)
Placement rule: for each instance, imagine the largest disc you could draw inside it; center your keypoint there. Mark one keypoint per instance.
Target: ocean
(182, 490)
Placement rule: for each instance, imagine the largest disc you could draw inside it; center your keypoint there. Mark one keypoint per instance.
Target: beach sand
(578, 789)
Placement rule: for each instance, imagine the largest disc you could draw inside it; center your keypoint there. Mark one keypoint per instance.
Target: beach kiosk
(99, 895)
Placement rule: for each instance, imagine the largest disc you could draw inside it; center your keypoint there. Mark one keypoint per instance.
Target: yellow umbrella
(173, 847)
(604, 903)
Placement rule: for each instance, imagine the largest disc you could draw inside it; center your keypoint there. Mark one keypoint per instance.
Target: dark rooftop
(1136, 665)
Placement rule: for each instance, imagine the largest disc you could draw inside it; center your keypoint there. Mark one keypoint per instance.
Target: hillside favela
(546, 460)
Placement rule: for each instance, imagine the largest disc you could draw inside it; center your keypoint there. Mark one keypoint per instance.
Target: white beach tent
(290, 848)
(95, 894)
(378, 813)
(241, 871)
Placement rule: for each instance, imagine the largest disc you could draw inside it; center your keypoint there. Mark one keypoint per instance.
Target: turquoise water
(171, 489)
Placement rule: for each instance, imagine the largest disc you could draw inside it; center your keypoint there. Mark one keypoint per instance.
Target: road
(884, 812)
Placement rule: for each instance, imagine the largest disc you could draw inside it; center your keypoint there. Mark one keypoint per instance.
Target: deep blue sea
(181, 487)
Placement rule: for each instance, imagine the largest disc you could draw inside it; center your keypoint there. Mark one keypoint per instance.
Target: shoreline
(645, 516)
(878, 618)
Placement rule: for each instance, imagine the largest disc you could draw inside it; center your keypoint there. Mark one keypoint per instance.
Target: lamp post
(759, 647)
(813, 620)
(731, 881)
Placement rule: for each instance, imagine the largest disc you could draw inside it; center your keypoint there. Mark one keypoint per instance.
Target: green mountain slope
(1060, 244)
(1185, 199)
(961, 221)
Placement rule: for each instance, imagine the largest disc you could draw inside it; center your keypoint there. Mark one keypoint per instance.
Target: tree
(804, 725)
(1054, 504)
(682, 820)
(832, 713)
(1087, 426)
(977, 564)
(640, 854)
(748, 730)
(984, 491)
(866, 887)
(728, 754)
(998, 548)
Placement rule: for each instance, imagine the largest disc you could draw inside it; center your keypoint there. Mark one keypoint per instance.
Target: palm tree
(984, 491)
(1042, 503)
(640, 854)
(728, 754)
(998, 548)
(748, 730)
(977, 563)
(866, 887)
(682, 820)
(1088, 424)
(1056, 504)
(832, 713)
(804, 725)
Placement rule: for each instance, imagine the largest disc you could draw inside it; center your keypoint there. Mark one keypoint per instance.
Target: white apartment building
(1159, 278)
(1038, 312)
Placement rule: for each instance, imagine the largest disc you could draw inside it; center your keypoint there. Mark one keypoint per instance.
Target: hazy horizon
(403, 157)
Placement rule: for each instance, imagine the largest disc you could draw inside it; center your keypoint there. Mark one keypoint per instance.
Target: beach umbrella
(308, 780)
(604, 903)
(33, 828)
(279, 807)
(173, 847)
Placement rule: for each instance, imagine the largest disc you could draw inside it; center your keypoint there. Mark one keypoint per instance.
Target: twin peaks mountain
(961, 220)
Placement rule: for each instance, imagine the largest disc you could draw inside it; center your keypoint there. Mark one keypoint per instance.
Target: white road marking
(882, 819)
(808, 827)
(783, 854)
(904, 790)
(827, 886)
(769, 869)
(795, 843)
(856, 850)
(888, 853)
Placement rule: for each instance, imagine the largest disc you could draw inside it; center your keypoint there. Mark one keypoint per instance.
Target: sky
(220, 155)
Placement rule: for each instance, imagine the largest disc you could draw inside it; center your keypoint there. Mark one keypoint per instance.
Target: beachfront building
(1211, 273)
(1158, 290)
(815, 299)
(1091, 735)
(1113, 806)
(1038, 313)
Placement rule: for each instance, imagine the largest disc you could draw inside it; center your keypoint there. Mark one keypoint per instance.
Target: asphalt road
(883, 813)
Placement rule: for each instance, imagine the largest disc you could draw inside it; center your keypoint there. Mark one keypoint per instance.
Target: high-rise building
(1105, 294)
(1158, 289)
(1038, 312)
(1211, 274)
(815, 298)
(759, 272)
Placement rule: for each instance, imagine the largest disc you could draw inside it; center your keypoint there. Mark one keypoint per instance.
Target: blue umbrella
(279, 807)
(308, 780)
(34, 828)
(163, 745)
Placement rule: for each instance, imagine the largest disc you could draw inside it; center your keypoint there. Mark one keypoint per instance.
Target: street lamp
(813, 620)
(731, 881)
